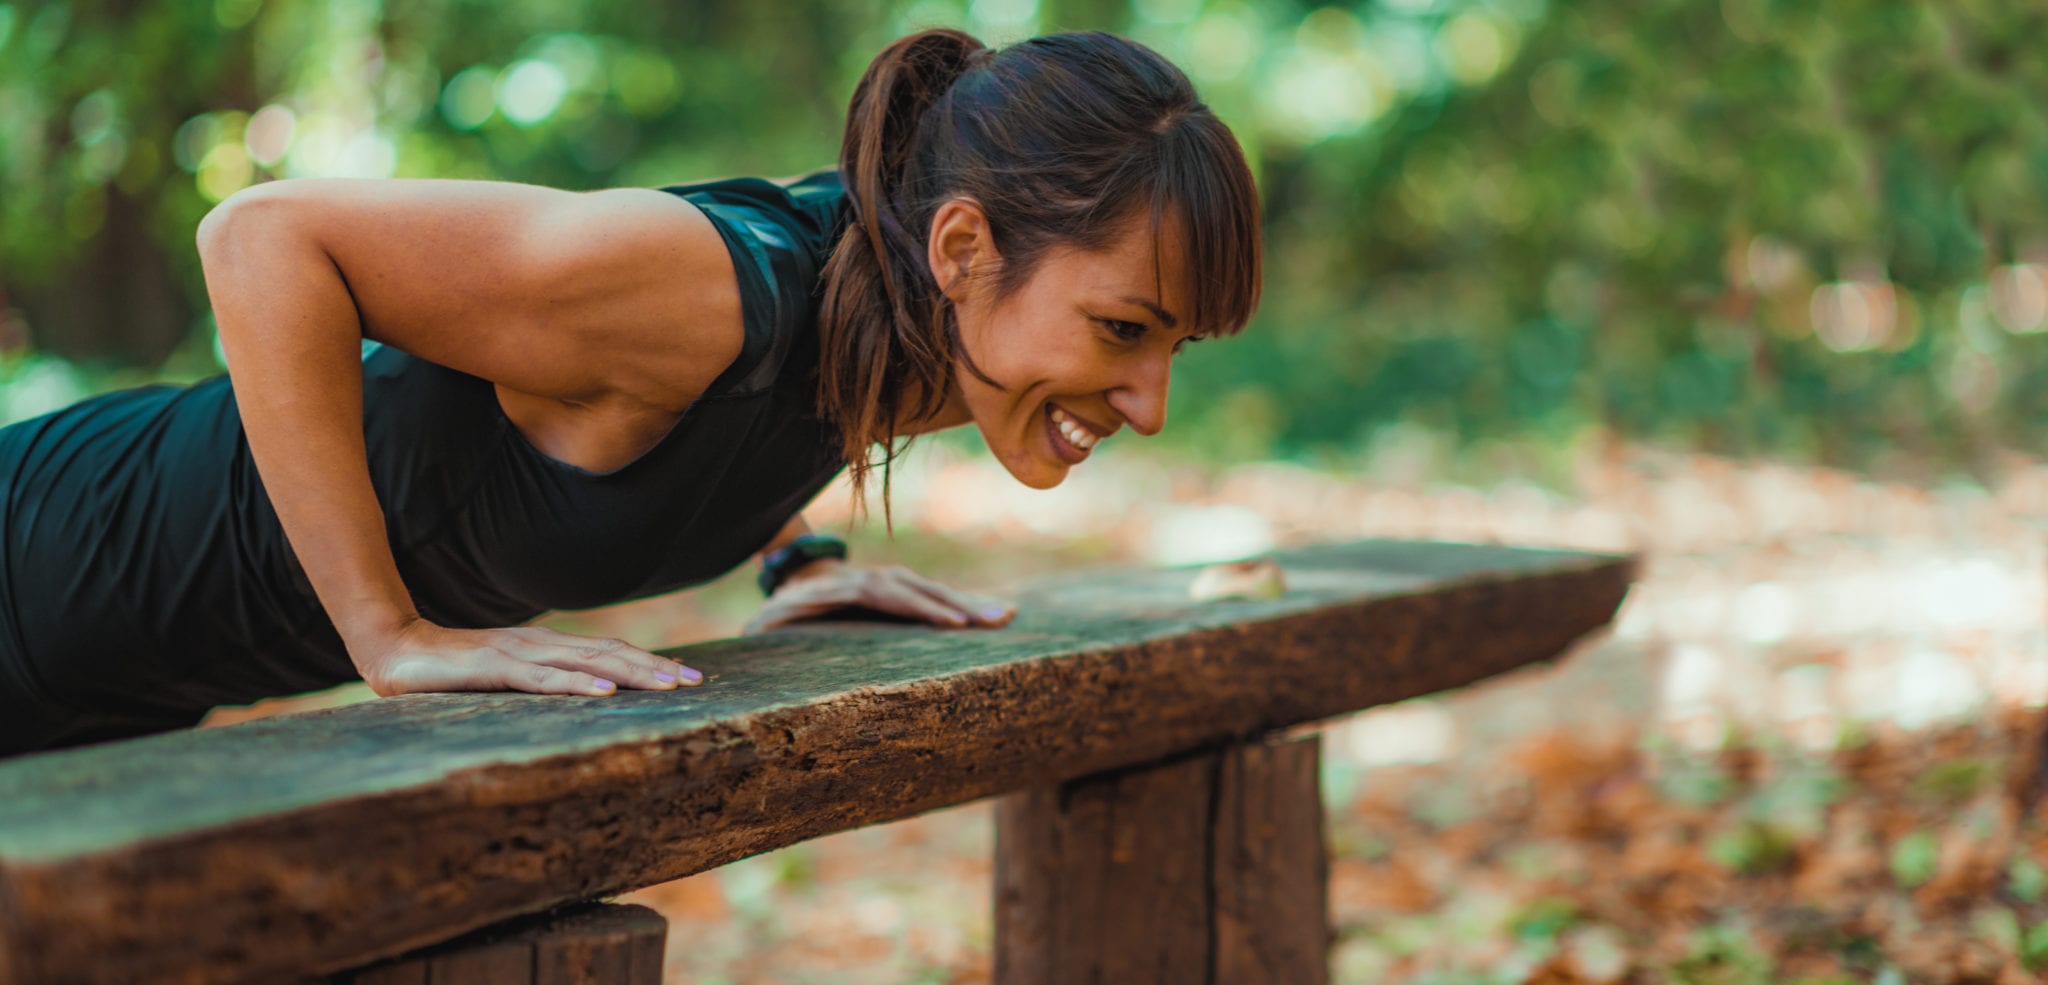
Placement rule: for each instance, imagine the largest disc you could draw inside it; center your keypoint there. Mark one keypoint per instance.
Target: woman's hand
(421, 656)
(827, 585)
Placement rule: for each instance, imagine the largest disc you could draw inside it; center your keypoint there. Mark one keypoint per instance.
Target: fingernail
(604, 685)
(664, 678)
(693, 675)
(994, 612)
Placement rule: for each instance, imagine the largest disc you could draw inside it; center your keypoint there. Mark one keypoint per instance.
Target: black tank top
(144, 577)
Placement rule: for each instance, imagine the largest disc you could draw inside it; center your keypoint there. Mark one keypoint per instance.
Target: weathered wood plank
(590, 944)
(602, 947)
(397, 973)
(497, 963)
(308, 843)
(1270, 871)
(1208, 868)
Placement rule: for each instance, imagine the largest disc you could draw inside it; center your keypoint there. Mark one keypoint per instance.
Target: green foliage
(2034, 947)
(1688, 779)
(1544, 918)
(2027, 880)
(1754, 848)
(1913, 859)
(1955, 781)
(1722, 956)
(1817, 229)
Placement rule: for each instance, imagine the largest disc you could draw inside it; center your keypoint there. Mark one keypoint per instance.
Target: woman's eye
(1128, 331)
(1183, 343)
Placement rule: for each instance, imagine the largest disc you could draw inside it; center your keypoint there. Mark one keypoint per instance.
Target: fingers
(904, 598)
(980, 610)
(894, 590)
(534, 659)
(781, 611)
(518, 675)
(611, 660)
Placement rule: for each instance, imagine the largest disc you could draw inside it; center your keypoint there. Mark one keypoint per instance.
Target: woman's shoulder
(812, 205)
(780, 233)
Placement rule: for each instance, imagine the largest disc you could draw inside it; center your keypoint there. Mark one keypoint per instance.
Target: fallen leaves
(1917, 862)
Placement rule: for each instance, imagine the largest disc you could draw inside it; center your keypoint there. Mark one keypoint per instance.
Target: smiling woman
(583, 398)
(1069, 357)
(1033, 227)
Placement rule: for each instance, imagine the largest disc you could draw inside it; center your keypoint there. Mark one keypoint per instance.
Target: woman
(583, 398)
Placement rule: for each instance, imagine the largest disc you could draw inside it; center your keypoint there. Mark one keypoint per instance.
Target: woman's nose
(1141, 401)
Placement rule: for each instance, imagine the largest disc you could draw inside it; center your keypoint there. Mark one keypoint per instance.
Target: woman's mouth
(1070, 441)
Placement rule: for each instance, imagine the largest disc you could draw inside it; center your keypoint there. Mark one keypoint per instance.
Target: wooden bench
(1160, 832)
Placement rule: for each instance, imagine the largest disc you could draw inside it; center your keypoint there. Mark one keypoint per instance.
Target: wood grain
(1104, 879)
(1203, 870)
(590, 944)
(1269, 867)
(310, 843)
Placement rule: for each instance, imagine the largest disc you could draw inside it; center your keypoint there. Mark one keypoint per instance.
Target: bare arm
(796, 527)
(623, 297)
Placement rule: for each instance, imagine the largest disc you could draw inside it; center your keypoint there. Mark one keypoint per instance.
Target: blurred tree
(1807, 226)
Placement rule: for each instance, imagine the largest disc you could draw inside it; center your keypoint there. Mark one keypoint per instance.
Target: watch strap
(787, 559)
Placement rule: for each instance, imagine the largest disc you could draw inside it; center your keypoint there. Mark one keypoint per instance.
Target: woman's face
(1081, 350)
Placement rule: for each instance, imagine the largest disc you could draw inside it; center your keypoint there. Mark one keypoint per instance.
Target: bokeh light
(1474, 47)
(470, 97)
(1852, 316)
(1327, 83)
(529, 91)
(2019, 297)
(1004, 20)
(1222, 43)
(269, 135)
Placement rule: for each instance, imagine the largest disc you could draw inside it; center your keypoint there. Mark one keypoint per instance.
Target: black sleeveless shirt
(144, 577)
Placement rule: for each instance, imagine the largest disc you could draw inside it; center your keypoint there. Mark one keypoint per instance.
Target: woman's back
(145, 576)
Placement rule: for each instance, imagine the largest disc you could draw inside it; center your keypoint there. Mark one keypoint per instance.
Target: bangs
(1204, 185)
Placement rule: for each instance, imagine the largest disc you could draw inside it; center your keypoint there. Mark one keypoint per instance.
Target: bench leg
(592, 944)
(1204, 869)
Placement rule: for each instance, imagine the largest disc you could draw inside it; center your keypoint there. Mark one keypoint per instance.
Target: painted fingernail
(602, 684)
(693, 675)
(994, 612)
(664, 678)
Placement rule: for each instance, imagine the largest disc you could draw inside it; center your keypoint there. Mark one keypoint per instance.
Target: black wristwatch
(785, 560)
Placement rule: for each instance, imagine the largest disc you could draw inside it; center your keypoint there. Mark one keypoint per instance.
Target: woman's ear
(960, 246)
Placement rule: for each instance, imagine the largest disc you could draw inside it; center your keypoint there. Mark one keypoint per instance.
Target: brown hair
(1058, 139)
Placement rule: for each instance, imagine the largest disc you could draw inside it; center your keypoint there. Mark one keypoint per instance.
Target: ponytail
(879, 295)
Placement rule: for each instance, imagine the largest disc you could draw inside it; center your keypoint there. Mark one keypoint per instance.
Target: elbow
(236, 218)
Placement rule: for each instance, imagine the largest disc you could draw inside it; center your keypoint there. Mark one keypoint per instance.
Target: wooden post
(593, 944)
(1207, 869)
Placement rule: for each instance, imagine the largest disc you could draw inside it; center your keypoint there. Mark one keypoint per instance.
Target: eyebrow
(1158, 312)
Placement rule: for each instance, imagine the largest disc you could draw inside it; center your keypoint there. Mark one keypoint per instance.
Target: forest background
(1756, 288)
(1790, 227)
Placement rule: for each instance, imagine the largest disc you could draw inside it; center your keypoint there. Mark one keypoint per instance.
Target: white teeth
(1081, 437)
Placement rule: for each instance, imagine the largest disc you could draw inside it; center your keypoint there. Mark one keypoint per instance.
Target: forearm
(293, 342)
(796, 527)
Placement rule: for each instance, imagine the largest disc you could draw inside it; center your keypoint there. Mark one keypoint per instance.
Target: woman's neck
(952, 412)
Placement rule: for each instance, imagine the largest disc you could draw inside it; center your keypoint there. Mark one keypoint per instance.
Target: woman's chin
(1036, 472)
(1047, 480)
(1041, 477)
